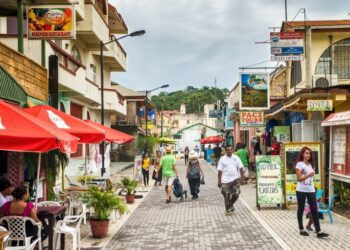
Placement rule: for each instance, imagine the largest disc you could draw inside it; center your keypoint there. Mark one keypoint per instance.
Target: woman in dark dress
(157, 172)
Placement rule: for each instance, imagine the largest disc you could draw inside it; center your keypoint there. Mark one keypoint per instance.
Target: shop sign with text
(251, 119)
(51, 22)
(319, 105)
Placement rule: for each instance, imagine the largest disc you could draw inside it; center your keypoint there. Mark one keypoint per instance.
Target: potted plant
(103, 201)
(129, 186)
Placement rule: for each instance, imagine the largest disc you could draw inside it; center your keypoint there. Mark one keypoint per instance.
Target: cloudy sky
(194, 42)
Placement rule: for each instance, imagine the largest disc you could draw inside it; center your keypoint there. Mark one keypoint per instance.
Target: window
(296, 74)
(75, 53)
(341, 60)
(93, 72)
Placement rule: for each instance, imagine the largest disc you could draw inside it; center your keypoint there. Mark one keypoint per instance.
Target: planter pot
(99, 228)
(130, 198)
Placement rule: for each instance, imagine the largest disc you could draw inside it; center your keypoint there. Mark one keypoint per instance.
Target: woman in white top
(305, 170)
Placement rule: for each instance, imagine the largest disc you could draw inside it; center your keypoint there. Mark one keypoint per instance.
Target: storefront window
(341, 150)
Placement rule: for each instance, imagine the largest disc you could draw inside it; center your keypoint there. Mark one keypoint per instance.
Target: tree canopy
(193, 98)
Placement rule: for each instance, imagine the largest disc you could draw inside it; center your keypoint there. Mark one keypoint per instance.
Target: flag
(141, 112)
(151, 114)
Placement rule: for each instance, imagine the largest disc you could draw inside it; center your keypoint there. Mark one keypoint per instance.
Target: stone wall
(30, 75)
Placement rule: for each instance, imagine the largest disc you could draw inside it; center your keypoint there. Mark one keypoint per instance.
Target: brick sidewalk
(199, 224)
(284, 224)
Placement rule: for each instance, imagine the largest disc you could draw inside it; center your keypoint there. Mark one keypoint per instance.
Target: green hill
(193, 98)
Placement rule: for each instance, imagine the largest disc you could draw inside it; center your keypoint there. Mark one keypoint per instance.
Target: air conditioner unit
(322, 81)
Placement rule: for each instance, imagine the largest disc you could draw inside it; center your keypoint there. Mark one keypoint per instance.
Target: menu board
(347, 162)
(269, 187)
(339, 150)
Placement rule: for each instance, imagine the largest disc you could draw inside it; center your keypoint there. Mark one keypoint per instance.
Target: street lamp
(135, 33)
(149, 91)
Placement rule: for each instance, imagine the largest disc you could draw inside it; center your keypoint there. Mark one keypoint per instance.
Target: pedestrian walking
(194, 173)
(169, 171)
(243, 155)
(146, 162)
(196, 149)
(186, 152)
(230, 169)
(157, 172)
(305, 170)
(217, 152)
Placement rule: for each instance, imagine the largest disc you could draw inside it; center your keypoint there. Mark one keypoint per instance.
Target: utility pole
(285, 10)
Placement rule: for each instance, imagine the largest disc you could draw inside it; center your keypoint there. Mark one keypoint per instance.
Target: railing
(65, 60)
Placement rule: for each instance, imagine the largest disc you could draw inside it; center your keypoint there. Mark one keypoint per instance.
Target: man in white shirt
(5, 191)
(230, 173)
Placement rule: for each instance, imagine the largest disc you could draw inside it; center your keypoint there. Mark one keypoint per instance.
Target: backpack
(194, 170)
(177, 188)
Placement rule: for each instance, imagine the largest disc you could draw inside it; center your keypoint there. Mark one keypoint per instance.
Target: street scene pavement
(192, 224)
(202, 223)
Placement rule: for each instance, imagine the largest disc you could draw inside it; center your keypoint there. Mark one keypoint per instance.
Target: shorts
(168, 181)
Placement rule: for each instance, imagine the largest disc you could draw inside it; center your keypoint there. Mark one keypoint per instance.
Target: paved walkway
(199, 224)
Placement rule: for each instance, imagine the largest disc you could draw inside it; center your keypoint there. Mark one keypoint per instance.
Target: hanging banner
(251, 119)
(228, 120)
(287, 46)
(51, 22)
(269, 188)
(254, 91)
(291, 152)
(282, 133)
(319, 105)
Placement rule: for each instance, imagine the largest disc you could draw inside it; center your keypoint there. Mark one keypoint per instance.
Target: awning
(336, 119)
(282, 108)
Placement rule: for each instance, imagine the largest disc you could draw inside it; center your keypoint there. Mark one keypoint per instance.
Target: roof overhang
(337, 119)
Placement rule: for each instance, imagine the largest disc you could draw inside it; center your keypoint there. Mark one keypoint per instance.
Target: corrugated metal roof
(10, 89)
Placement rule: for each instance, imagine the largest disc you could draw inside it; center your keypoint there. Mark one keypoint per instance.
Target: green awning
(10, 89)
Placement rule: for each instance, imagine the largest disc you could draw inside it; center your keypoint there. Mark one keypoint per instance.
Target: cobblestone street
(198, 224)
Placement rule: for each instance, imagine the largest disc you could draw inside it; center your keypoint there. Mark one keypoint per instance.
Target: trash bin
(209, 152)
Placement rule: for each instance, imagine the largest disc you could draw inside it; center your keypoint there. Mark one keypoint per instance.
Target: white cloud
(194, 41)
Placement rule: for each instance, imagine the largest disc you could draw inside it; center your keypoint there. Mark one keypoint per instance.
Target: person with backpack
(169, 172)
(194, 174)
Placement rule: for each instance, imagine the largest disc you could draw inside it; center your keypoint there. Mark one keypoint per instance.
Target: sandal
(309, 228)
(322, 235)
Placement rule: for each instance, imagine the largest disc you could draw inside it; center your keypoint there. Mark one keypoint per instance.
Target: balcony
(114, 102)
(114, 56)
(93, 28)
(116, 23)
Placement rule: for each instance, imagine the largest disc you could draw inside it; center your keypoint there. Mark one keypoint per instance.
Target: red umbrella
(112, 135)
(20, 131)
(212, 139)
(67, 123)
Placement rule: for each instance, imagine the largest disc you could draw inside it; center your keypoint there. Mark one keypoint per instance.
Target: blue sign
(287, 50)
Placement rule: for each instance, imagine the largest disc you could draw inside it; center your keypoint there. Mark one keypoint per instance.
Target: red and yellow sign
(51, 22)
(251, 119)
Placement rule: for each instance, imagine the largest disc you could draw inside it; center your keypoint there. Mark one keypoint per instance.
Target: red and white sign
(251, 119)
(290, 35)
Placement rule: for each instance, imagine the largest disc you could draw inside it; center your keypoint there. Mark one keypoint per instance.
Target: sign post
(287, 46)
(269, 188)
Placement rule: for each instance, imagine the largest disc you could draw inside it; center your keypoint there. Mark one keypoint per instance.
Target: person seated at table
(20, 206)
(5, 191)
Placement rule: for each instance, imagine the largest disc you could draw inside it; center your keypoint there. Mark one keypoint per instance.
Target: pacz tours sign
(251, 119)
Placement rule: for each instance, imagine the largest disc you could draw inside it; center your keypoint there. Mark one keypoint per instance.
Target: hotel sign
(319, 105)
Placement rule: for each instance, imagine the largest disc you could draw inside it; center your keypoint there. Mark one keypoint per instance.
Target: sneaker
(322, 235)
(228, 212)
(304, 233)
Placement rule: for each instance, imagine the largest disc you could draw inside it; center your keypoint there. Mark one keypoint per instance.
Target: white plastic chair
(48, 204)
(16, 224)
(75, 202)
(63, 228)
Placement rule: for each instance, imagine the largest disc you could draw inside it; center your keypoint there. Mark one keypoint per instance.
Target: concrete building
(79, 70)
(190, 136)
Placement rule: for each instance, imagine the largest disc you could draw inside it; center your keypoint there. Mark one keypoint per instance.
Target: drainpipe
(308, 71)
(43, 54)
(20, 26)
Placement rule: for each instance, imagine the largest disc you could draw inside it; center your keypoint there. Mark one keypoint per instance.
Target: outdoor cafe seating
(16, 225)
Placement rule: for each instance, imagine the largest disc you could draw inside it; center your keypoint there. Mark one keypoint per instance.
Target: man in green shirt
(168, 165)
